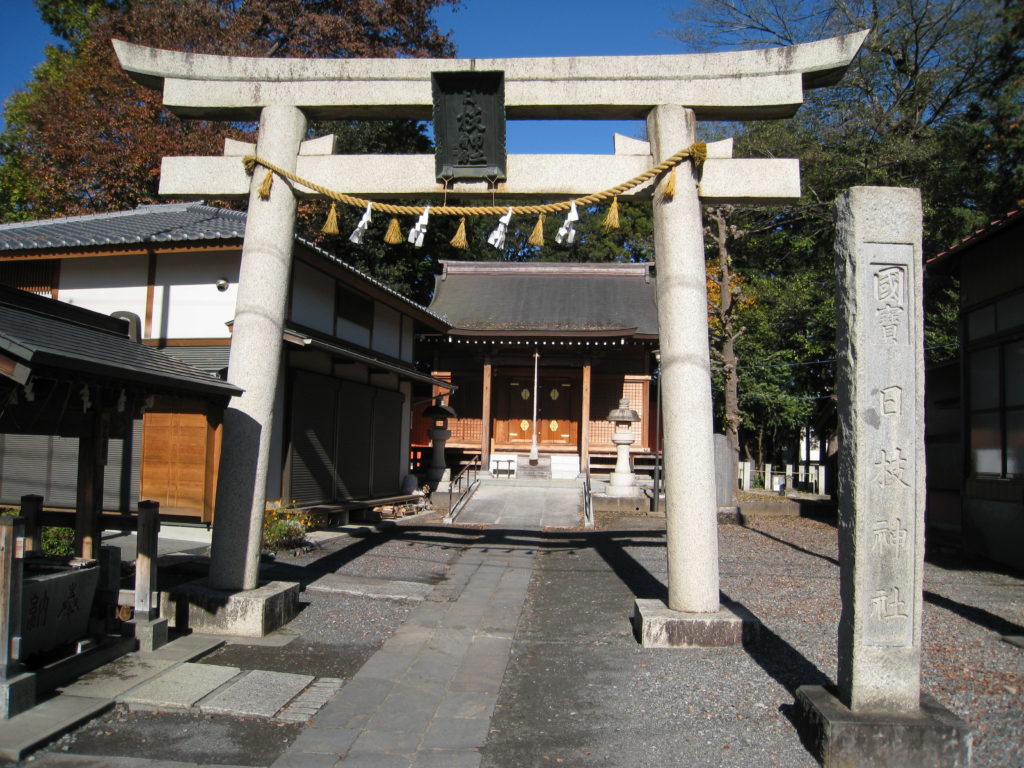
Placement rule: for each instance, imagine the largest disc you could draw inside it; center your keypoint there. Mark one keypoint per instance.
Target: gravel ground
(334, 635)
(579, 691)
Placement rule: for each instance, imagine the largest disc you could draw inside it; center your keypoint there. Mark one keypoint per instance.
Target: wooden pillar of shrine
(585, 418)
(485, 418)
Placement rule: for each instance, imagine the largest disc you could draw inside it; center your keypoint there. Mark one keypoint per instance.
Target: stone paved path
(523, 507)
(426, 697)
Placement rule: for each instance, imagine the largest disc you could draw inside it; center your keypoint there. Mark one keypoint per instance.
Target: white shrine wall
(186, 301)
(105, 284)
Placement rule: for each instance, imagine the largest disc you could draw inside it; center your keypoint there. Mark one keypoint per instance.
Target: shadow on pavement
(979, 616)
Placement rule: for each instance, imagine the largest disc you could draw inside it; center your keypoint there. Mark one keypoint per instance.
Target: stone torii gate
(671, 92)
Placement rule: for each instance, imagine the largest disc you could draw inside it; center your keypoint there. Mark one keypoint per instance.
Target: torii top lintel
(740, 85)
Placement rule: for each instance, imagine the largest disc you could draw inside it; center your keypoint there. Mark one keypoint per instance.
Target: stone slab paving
(109, 761)
(308, 703)
(369, 586)
(181, 687)
(426, 697)
(23, 733)
(523, 507)
(258, 693)
(119, 676)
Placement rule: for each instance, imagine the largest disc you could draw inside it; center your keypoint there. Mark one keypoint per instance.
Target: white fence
(778, 477)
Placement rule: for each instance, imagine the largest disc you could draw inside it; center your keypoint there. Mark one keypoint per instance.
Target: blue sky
(481, 28)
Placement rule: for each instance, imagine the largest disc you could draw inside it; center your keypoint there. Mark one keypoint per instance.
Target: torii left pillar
(254, 360)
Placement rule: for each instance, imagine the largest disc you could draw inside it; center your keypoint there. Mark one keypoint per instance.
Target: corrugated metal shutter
(49, 466)
(121, 475)
(355, 443)
(39, 464)
(314, 417)
(387, 442)
(209, 359)
(346, 440)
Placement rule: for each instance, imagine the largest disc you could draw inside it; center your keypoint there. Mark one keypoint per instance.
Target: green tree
(84, 138)
(933, 100)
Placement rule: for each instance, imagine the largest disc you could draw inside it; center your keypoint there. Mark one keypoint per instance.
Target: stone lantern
(622, 483)
(438, 413)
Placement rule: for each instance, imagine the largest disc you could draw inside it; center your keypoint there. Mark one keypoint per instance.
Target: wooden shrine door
(557, 410)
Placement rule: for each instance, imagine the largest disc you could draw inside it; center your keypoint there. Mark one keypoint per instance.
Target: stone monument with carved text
(880, 717)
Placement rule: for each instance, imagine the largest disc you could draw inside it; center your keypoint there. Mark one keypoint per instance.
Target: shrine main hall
(585, 333)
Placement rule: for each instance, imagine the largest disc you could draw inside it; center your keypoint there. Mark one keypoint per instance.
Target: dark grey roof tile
(43, 332)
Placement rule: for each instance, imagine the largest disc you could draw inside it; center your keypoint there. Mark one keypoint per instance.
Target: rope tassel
(460, 241)
(331, 225)
(669, 190)
(611, 220)
(394, 233)
(537, 236)
(265, 185)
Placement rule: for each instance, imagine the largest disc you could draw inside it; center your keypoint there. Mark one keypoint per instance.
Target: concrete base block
(729, 516)
(632, 504)
(932, 736)
(658, 626)
(251, 613)
(624, 491)
(17, 695)
(151, 634)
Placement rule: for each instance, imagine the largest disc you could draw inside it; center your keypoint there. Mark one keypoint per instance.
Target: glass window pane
(1010, 312)
(981, 322)
(983, 378)
(1013, 385)
(986, 458)
(1015, 442)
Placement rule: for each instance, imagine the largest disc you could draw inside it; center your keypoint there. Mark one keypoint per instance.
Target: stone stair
(527, 471)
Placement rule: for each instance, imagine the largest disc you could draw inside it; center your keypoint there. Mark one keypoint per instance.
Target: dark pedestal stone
(931, 737)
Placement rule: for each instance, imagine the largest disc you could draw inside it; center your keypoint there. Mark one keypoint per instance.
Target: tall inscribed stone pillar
(880, 716)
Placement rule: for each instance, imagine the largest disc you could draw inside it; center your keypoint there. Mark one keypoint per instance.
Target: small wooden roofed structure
(347, 355)
(590, 329)
(71, 372)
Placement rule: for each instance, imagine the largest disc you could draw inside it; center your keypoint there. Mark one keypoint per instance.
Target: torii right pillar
(693, 617)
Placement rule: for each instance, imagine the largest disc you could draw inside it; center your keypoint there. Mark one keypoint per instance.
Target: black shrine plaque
(469, 125)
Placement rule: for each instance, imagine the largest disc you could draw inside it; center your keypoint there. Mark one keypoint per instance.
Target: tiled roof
(171, 222)
(545, 298)
(45, 333)
(145, 224)
(996, 225)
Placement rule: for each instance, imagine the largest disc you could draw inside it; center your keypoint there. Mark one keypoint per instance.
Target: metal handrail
(462, 484)
(588, 498)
